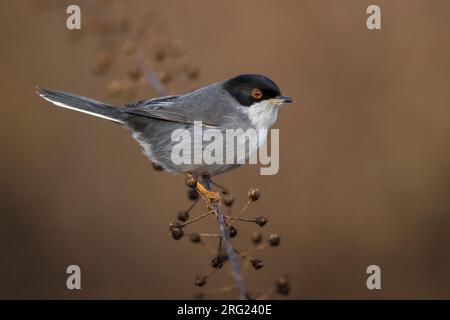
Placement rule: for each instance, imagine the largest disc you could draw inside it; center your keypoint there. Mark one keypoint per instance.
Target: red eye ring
(257, 93)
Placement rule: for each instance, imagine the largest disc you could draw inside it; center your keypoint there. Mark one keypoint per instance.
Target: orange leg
(208, 195)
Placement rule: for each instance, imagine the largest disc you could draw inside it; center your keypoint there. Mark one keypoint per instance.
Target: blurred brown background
(365, 160)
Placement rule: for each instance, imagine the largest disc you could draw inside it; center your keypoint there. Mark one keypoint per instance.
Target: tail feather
(81, 104)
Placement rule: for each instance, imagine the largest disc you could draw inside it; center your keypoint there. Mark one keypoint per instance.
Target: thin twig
(235, 269)
(198, 218)
(240, 214)
(239, 219)
(193, 205)
(216, 235)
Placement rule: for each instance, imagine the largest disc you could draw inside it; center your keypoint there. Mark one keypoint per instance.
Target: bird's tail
(81, 104)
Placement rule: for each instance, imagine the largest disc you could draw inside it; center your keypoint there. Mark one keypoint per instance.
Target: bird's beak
(284, 99)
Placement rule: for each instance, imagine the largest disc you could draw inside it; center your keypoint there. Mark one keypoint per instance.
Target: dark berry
(257, 264)
(282, 285)
(190, 181)
(195, 237)
(177, 233)
(274, 240)
(232, 232)
(183, 215)
(174, 225)
(261, 221)
(228, 199)
(192, 194)
(257, 237)
(254, 194)
(200, 281)
(217, 262)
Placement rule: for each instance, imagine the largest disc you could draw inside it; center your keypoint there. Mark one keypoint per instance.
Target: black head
(248, 89)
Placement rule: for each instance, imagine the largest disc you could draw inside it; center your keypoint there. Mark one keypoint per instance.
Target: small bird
(248, 101)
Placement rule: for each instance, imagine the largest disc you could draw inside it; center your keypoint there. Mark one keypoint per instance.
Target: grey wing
(184, 109)
(165, 108)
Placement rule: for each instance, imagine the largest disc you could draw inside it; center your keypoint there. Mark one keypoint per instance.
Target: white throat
(263, 114)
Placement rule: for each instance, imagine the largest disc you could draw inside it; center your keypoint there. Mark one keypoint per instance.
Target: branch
(235, 269)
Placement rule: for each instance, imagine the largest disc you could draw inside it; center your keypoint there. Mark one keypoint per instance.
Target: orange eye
(256, 93)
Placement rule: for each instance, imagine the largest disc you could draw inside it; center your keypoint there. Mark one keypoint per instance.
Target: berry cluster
(178, 231)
